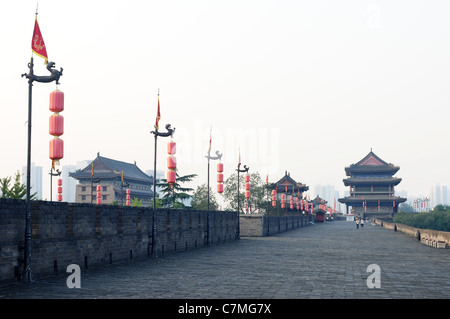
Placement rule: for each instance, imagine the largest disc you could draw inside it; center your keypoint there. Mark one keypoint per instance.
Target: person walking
(362, 223)
(357, 223)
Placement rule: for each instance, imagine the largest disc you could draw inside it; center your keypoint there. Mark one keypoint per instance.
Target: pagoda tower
(372, 183)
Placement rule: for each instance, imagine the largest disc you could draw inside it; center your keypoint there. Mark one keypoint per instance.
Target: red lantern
(220, 188)
(274, 203)
(247, 194)
(247, 186)
(274, 192)
(56, 149)
(56, 124)
(171, 162)
(171, 148)
(56, 101)
(171, 176)
(247, 178)
(219, 167)
(219, 178)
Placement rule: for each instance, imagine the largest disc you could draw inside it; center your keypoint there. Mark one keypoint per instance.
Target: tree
(17, 191)
(175, 194)
(200, 199)
(136, 202)
(405, 208)
(258, 193)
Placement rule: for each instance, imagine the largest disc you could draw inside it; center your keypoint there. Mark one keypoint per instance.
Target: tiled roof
(109, 168)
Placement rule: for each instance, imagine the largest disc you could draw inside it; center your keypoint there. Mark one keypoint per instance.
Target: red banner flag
(158, 116)
(239, 163)
(37, 42)
(210, 137)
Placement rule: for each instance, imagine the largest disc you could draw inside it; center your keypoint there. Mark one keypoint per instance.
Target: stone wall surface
(435, 238)
(92, 235)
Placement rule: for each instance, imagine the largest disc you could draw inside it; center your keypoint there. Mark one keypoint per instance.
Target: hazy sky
(303, 86)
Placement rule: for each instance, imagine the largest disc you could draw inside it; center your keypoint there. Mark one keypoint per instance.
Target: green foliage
(437, 219)
(258, 193)
(405, 208)
(200, 199)
(175, 194)
(136, 202)
(17, 191)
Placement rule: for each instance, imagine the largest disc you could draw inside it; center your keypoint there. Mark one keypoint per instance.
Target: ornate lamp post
(239, 170)
(209, 157)
(169, 132)
(55, 75)
(122, 185)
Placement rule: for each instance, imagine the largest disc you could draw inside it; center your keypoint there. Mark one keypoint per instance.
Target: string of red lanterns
(274, 198)
(56, 129)
(220, 178)
(99, 194)
(247, 190)
(171, 162)
(59, 189)
(128, 197)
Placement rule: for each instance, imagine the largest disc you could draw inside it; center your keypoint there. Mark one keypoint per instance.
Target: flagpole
(238, 231)
(169, 132)
(209, 157)
(55, 75)
(27, 274)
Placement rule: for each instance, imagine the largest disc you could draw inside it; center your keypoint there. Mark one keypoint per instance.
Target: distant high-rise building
(69, 184)
(159, 175)
(438, 195)
(435, 196)
(327, 192)
(35, 179)
(444, 195)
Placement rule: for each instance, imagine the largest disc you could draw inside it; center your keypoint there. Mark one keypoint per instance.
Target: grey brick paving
(321, 261)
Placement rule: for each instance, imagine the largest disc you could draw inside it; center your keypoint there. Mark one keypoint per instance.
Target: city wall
(260, 225)
(94, 235)
(427, 236)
